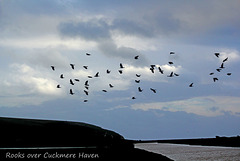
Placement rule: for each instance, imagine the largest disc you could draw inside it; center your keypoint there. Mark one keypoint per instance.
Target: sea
(180, 152)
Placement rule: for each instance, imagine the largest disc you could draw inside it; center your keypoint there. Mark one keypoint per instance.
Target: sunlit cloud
(204, 106)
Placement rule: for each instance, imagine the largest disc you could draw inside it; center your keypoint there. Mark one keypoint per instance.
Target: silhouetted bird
(121, 66)
(53, 67)
(217, 54)
(87, 87)
(104, 90)
(139, 89)
(120, 71)
(89, 76)
(111, 86)
(97, 74)
(71, 82)
(154, 90)
(136, 57)
(88, 54)
(222, 66)
(153, 66)
(170, 62)
(160, 70)
(86, 83)
(61, 76)
(172, 52)
(152, 70)
(137, 81)
(108, 71)
(72, 65)
(229, 74)
(218, 70)
(85, 100)
(191, 85)
(133, 98)
(58, 86)
(86, 92)
(215, 79)
(85, 67)
(211, 73)
(138, 75)
(225, 60)
(77, 80)
(171, 74)
(176, 74)
(71, 92)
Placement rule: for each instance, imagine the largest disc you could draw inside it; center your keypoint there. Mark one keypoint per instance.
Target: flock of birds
(153, 69)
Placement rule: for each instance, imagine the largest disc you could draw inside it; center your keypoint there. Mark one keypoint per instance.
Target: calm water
(193, 153)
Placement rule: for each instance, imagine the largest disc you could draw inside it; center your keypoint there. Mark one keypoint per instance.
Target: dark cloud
(99, 30)
(109, 48)
(92, 30)
(129, 27)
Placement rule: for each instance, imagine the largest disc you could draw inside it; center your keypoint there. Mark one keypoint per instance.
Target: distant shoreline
(217, 141)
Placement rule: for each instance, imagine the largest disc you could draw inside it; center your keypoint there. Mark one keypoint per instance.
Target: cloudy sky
(38, 34)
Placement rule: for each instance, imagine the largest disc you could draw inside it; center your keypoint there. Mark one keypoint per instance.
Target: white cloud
(232, 55)
(27, 86)
(204, 106)
(146, 74)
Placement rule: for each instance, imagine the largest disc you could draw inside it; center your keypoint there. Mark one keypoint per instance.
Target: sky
(36, 35)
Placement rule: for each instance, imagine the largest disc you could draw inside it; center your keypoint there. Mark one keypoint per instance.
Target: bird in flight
(217, 54)
(72, 65)
(136, 57)
(97, 74)
(154, 90)
(229, 74)
(108, 71)
(138, 75)
(225, 59)
(152, 70)
(121, 66)
(104, 90)
(120, 71)
(71, 82)
(170, 62)
(86, 92)
(211, 73)
(171, 74)
(85, 100)
(77, 80)
(53, 67)
(58, 86)
(133, 98)
(88, 54)
(172, 52)
(191, 85)
(160, 70)
(139, 89)
(176, 74)
(215, 79)
(85, 67)
(218, 70)
(61, 76)
(71, 92)
(111, 86)
(137, 81)
(222, 66)
(86, 83)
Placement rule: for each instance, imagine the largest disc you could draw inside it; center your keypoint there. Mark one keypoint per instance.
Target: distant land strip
(217, 141)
